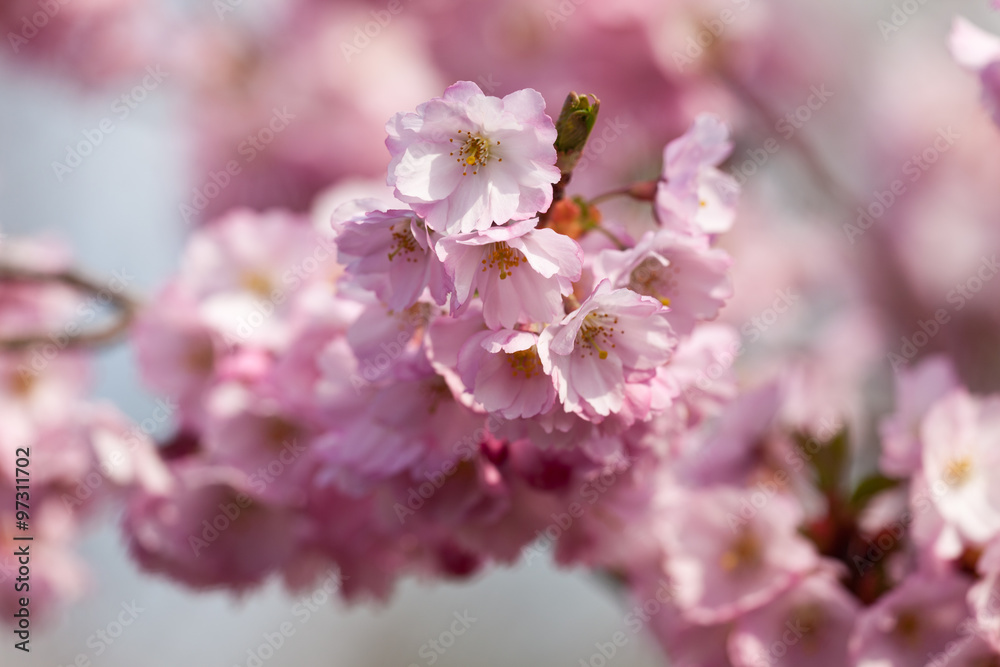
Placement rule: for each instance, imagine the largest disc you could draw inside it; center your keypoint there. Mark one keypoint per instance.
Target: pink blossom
(682, 272)
(979, 51)
(177, 350)
(38, 386)
(702, 369)
(693, 196)
(207, 531)
(97, 41)
(520, 272)
(57, 575)
(392, 254)
(728, 555)
(253, 436)
(735, 449)
(912, 624)
(808, 625)
(383, 340)
(686, 644)
(917, 389)
(405, 425)
(961, 461)
(465, 161)
(243, 268)
(446, 336)
(616, 337)
(504, 373)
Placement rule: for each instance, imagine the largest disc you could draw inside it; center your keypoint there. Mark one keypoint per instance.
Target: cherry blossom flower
(682, 272)
(729, 555)
(961, 460)
(209, 532)
(979, 51)
(503, 371)
(466, 160)
(520, 272)
(810, 624)
(693, 196)
(917, 390)
(615, 337)
(392, 254)
(914, 623)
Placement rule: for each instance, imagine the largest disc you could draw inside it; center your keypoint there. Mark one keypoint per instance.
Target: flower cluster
(80, 453)
(426, 384)
(774, 554)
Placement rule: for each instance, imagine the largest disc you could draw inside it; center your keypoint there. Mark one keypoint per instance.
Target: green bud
(577, 119)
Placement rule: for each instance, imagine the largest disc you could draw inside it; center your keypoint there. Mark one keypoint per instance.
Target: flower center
(596, 331)
(811, 620)
(280, 432)
(501, 256)
(22, 383)
(256, 282)
(200, 357)
(437, 393)
(743, 553)
(648, 279)
(403, 242)
(475, 151)
(958, 471)
(524, 361)
(908, 626)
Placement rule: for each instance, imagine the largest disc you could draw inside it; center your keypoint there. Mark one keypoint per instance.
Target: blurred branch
(829, 182)
(125, 306)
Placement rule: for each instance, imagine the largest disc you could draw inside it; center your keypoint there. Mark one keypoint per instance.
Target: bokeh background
(231, 63)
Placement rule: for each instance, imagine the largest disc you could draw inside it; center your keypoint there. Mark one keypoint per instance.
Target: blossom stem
(617, 241)
(621, 192)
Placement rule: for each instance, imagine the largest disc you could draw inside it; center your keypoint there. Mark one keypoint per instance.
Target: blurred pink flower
(209, 532)
(912, 624)
(917, 390)
(808, 625)
(693, 196)
(979, 51)
(961, 461)
(728, 555)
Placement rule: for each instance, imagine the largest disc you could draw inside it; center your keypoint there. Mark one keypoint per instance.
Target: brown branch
(126, 306)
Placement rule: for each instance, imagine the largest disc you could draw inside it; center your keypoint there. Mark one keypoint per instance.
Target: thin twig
(621, 192)
(124, 304)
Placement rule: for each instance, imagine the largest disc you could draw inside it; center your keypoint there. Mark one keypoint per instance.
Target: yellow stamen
(503, 257)
(958, 471)
(257, 282)
(524, 361)
(650, 277)
(745, 552)
(596, 330)
(477, 151)
(404, 241)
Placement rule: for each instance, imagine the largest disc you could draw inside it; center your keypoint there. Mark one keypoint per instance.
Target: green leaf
(870, 487)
